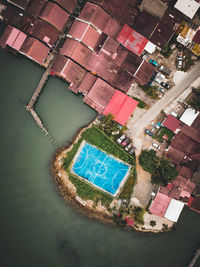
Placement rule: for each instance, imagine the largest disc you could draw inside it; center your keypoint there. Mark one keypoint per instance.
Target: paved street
(143, 188)
(136, 128)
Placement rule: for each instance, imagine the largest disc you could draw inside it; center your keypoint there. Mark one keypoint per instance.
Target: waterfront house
(55, 15)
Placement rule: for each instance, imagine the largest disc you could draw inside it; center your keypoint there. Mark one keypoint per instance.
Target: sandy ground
(159, 222)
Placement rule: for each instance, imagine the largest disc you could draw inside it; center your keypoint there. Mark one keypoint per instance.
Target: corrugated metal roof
(132, 40)
(121, 107)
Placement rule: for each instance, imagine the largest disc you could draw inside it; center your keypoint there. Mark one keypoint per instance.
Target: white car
(121, 138)
(161, 76)
(155, 125)
(155, 145)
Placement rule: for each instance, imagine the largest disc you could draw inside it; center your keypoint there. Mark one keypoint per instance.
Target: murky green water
(36, 227)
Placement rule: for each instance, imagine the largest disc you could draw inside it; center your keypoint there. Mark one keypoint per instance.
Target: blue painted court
(100, 169)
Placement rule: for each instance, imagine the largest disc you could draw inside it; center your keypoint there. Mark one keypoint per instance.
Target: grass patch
(87, 191)
(164, 131)
(141, 103)
(98, 138)
(127, 190)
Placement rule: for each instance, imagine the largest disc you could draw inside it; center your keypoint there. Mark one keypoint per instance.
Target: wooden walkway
(41, 125)
(38, 90)
(194, 257)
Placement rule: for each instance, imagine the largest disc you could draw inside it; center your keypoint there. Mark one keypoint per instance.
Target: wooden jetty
(41, 125)
(194, 257)
(38, 90)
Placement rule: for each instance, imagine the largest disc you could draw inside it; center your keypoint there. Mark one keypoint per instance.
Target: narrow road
(138, 127)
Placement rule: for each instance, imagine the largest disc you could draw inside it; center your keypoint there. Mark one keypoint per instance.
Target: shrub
(153, 223)
(139, 215)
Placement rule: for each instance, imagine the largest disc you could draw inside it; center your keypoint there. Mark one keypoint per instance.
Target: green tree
(139, 215)
(148, 160)
(153, 223)
(194, 102)
(164, 173)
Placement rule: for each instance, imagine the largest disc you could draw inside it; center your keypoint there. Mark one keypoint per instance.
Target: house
(35, 7)
(195, 48)
(76, 51)
(165, 29)
(55, 15)
(85, 33)
(95, 16)
(145, 24)
(172, 123)
(87, 83)
(68, 5)
(121, 107)
(187, 7)
(99, 95)
(70, 71)
(189, 116)
(132, 40)
(12, 37)
(124, 11)
(44, 31)
(144, 73)
(35, 50)
(155, 7)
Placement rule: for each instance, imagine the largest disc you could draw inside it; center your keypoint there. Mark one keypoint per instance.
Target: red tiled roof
(121, 107)
(67, 4)
(34, 7)
(144, 73)
(85, 33)
(132, 40)
(70, 71)
(171, 123)
(175, 155)
(124, 11)
(35, 50)
(55, 15)
(99, 95)
(109, 71)
(45, 32)
(87, 83)
(99, 18)
(110, 47)
(145, 24)
(160, 204)
(75, 50)
(186, 172)
(182, 142)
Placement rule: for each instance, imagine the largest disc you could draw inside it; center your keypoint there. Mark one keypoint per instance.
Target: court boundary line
(122, 182)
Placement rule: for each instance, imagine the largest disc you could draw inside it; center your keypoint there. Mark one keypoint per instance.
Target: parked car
(129, 146)
(155, 125)
(115, 133)
(161, 76)
(162, 90)
(148, 132)
(179, 63)
(132, 150)
(166, 85)
(121, 138)
(164, 70)
(153, 62)
(155, 145)
(126, 141)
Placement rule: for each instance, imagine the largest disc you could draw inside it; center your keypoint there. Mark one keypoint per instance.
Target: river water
(36, 227)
